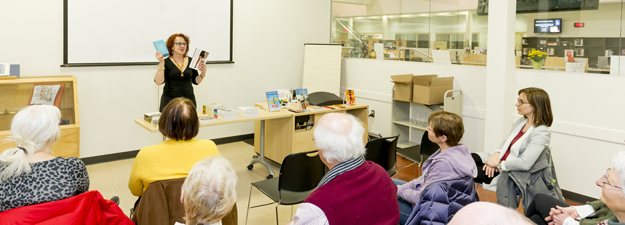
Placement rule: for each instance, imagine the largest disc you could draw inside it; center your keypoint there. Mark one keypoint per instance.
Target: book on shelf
(47, 94)
(227, 114)
(248, 111)
(579, 42)
(199, 57)
(161, 47)
(206, 119)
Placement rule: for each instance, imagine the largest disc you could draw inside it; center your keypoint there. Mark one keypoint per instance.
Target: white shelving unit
(403, 114)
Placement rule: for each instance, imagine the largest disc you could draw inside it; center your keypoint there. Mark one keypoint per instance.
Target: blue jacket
(441, 200)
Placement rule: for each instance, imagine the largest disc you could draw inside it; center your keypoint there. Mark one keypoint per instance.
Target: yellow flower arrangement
(537, 56)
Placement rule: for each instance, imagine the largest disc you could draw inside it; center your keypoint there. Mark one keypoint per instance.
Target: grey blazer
(531, 173)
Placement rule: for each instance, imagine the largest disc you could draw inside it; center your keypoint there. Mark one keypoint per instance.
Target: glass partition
(585, 39)
(411, 30)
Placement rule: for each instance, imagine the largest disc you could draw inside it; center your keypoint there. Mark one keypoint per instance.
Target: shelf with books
(59, 91)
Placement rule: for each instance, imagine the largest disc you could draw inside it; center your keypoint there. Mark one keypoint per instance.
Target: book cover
(273, 102)
(349, 97)
(161, 47)
(199, 56)
(47, 94)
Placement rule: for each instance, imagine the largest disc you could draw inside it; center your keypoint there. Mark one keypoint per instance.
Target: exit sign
(579, 24)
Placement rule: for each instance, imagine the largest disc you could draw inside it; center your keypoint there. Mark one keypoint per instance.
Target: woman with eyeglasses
(609, 209)
(523, 160)
(174, 71)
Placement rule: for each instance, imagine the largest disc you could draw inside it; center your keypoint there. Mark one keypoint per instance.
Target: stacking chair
(383, 151)
(419, 153)
(299, 176)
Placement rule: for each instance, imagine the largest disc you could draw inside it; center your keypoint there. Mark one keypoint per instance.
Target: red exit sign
(579, 24)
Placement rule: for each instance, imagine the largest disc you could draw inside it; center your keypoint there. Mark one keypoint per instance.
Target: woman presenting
(175, 73)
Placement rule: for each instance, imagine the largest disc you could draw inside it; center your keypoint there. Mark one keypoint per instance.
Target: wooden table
(280, 134)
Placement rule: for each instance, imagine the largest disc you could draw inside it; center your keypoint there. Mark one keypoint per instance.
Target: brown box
(429, 89)
(403, 87)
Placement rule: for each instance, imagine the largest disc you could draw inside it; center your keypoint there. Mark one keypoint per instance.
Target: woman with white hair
(610, 209)
(29, 174)
(209, 192)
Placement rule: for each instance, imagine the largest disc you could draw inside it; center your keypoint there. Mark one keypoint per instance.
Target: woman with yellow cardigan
(174, 157)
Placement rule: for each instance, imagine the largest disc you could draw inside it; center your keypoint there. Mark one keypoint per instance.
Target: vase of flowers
(537, 58)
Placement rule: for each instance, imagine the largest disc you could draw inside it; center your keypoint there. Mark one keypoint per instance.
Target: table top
(263, 114)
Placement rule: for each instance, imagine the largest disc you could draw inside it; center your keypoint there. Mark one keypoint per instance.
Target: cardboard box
(429, 89)
(403, 87)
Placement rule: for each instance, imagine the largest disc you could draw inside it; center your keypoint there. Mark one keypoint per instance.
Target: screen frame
(548, 32)
(66, 42)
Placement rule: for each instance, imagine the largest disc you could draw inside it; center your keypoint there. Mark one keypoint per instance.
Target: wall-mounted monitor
(548, 26)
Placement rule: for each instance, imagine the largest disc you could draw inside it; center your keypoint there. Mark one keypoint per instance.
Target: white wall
(111, 98)
(589, 126)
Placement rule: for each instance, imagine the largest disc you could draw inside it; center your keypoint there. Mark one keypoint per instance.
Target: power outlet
(372, 114)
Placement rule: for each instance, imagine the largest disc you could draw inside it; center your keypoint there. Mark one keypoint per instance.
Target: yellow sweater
(167, 160)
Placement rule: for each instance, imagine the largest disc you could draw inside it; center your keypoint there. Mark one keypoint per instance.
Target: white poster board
(579, 66)
(617, 65)
(379, 50)
(322, 68)
(441, 57)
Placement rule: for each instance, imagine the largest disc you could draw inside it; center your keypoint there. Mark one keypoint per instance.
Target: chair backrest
(382, 151)
(300, 172)
(427, 147)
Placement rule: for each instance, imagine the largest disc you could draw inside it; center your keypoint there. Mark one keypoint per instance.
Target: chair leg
(247, 214)
(277, 222)
(291, 211)
(396, 171)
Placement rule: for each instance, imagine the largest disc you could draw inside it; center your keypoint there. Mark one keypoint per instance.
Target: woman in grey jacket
(524, 159)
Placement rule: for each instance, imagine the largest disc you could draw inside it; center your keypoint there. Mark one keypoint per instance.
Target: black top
(50, 180)
(175, 85)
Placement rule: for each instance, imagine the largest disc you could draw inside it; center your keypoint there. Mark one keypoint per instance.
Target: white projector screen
(121, 32)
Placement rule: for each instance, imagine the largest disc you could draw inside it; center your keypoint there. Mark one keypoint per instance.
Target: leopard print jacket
(51, 180)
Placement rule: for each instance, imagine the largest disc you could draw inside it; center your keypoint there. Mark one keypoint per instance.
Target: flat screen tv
(548, 26)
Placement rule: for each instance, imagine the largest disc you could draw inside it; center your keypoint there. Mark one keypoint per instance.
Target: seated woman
(209, 192)
(545, 208)
(175, 157)
(451, 162)
(29, 174)
(524, 156)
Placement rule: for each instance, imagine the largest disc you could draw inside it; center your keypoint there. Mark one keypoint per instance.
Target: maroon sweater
(364, 195)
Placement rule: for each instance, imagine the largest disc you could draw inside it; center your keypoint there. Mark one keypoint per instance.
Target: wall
(588, 130)
(111, 98)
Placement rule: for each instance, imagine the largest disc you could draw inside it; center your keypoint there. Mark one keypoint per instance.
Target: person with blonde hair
(29, 174)
(209, 192)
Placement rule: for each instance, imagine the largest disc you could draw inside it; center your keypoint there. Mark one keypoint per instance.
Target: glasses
(521, 102)
(180, 44)
(606, 181)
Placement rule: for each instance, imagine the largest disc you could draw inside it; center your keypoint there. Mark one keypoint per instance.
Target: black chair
(383, 152)
(299, 176)
(419, 153)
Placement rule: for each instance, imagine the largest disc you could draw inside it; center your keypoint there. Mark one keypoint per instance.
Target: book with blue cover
(161, 47)
(273, 101)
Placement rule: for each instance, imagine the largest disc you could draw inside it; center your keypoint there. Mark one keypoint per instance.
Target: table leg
(261, 158)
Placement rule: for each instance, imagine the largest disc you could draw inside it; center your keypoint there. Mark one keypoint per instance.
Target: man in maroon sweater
(354, 191)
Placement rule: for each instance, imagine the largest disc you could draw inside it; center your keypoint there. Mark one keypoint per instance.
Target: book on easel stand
(273, 101)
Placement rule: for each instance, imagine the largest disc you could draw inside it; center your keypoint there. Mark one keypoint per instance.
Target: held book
(161, 47)
(199, 57)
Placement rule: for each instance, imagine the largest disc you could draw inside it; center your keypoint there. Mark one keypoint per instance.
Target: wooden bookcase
(16, 94)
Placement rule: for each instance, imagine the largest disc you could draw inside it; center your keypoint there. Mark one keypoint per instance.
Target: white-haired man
(354, 191)
(486, 213)
(209, 192)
